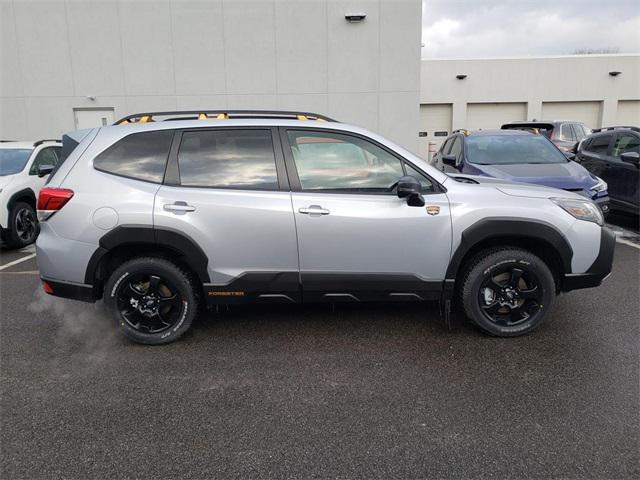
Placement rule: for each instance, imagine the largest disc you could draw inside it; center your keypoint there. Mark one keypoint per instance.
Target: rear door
(226, 189)
(595, 156)
(356, 238)
(623, 178)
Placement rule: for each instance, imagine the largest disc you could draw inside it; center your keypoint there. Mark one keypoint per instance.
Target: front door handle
(314, 210)
(179, 208)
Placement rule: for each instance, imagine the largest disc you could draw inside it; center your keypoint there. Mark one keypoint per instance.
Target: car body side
(111, 214)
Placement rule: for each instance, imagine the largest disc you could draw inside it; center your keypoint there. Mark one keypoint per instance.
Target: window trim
(292, 171)
(172, 173)
(166, 163)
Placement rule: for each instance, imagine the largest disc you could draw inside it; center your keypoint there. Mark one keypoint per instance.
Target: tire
(507, 292)
(23, 225)
(152, 300)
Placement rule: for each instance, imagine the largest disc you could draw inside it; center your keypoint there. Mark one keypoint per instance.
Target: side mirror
(409, 187)
(44, 170)
(631, 157)
(570, 155)
(449, 160)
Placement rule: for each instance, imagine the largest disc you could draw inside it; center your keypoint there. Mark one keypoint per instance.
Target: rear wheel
(508, 292)
(23, 225)
(152, 300)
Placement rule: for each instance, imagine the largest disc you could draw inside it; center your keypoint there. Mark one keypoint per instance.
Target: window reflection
(228, 158)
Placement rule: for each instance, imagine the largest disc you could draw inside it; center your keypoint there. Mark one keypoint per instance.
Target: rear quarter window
(142, 156)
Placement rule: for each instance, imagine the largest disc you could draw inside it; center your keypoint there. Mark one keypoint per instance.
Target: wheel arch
(538, 237)
(126, 242)
(26, 195)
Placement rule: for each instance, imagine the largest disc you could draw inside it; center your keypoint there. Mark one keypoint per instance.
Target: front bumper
(603, 203)
(598, 271)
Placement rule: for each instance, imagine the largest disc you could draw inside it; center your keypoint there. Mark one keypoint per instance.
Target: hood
(568, 175)
(5, 180)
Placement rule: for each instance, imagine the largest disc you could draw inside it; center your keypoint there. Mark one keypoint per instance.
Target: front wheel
(508, 292)
(152, 300)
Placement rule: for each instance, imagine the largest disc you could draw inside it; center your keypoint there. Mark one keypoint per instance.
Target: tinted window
(142, 156)
(228, 159)
(599, 144)
(456, 148)
(512, 149)
(626, 143)
(579, 131)
(13, 160)
(332, 161)
(46, 156)
(447, 145)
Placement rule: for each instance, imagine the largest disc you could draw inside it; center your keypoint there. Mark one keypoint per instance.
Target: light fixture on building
(614, 74)
(355, 17)
(461, 77)
(91, 97)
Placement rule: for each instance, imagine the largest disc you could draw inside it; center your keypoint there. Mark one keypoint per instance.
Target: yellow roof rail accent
(202, 116)
(222, 116)
(145, 119)
(536, 130)
(302, 117)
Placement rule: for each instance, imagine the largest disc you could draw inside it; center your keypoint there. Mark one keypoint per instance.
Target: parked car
(23, 170)
(158, 217)
(519, 156)
(565, 134)
(612, 154)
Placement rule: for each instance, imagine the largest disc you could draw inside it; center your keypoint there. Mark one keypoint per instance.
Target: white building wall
(536, 83)
(217, 54)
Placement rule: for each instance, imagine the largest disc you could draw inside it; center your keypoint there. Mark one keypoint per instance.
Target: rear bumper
(599, 270)
(74, 291)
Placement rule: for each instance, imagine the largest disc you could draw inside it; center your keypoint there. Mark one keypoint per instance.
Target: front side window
(447, 145)
(456, 148)
(599, 144)
(512, 149)
(46, 156)
(228, 158)
(333, 161)
(142, 156)
(13, 160)
(626, 143)
(425, 183)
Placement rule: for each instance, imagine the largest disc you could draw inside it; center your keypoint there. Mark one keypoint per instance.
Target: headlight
(580, 209)
(601, 186)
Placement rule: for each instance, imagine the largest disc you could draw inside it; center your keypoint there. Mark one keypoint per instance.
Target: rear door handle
(314, 210)
(179, 208)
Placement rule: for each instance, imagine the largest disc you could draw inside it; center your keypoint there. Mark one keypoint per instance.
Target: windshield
(512, 149)
(13, 160)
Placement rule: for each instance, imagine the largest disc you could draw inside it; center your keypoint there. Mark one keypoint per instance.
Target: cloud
(492, 28)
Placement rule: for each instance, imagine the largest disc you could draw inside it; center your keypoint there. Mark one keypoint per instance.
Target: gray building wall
(145, 55)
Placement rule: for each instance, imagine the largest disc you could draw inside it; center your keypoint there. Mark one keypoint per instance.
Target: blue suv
(519, 156)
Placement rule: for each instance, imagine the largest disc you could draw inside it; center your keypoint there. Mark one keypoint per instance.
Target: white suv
(160, 217)
(24, 167)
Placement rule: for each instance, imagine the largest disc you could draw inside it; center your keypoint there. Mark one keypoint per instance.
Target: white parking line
(16, 262)
(627, 242)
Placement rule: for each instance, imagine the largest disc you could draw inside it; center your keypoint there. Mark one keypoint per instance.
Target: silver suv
(165, 212)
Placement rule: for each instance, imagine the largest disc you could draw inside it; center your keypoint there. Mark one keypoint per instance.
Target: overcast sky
(494, 28)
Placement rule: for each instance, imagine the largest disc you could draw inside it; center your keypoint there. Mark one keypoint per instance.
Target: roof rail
(220, 115)
(617, 127)
(6, 141)
(40, 142)
(462, 130)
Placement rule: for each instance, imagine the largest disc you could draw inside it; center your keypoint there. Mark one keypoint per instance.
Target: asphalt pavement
(365, 391)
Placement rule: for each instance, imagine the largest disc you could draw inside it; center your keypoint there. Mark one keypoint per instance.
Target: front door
(230, 197)
(624, 177)
(357, 240)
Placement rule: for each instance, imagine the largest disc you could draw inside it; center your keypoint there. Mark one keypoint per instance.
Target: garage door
(585, 112)
(490, 116)
(435, 125)
(628, 113)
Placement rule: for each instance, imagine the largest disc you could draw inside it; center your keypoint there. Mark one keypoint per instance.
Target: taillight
(50, 200)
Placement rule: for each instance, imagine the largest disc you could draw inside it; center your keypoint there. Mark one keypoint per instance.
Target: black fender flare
(495, 227)
(167, 238)
(25, 192)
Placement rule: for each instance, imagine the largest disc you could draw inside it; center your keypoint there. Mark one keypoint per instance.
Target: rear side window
(566, 133)
(228, 158)
(599, 144)
(142, 156)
